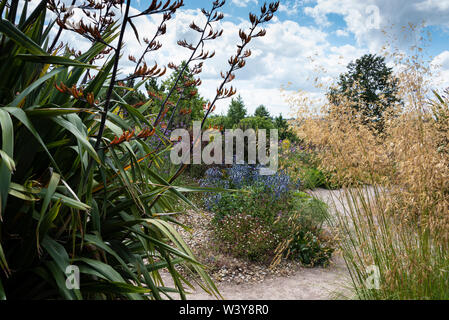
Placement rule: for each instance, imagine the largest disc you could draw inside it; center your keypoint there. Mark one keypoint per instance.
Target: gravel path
(304, 284)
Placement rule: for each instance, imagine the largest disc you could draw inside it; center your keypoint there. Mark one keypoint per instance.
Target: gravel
(222, 267)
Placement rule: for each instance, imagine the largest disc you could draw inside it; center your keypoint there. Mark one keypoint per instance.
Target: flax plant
(76, 183)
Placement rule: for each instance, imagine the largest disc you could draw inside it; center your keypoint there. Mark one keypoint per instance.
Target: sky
(306, 40)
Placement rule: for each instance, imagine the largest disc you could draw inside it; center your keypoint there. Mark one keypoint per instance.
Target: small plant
(310, 247)
(312, 178)
(245, 236)
(292, 220)
(302, 163)
(260, 196)
(302, 233)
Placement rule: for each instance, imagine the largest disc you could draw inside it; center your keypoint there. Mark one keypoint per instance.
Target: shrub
(292, 220)
(302, 163)
(245, 236)
(302, 233)
(254, 201)
(312, 178)
(310, 247)
(260, 196)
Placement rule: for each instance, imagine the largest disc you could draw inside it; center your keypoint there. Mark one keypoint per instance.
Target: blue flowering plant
(262, 196)
(268, 216)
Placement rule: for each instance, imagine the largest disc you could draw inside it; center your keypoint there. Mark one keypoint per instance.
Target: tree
(262, 112)
(256, 123)
(369, 87)
(284, 129)
(236, 111)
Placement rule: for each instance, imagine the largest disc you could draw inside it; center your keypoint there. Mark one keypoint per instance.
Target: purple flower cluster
(241, 176)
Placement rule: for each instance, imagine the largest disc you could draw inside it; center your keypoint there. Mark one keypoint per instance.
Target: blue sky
(307, 39)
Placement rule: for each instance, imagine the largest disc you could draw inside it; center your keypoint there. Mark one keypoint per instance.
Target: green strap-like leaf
(12, 32)
(5, 158)
(53, 112)
(82, 139)
(57, 252)
(3, 262)
(8, 150)
(2, 291)
(109, 273)
(54, 60)
(46, 218)
(16, 102)
(20, 115)
(114, 288)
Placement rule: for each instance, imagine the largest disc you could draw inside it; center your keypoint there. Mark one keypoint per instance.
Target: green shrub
(292, 222)
(310, 247)
(245, 236)
(302, 163)
(253, 201)
(312, 178)
(304, 238)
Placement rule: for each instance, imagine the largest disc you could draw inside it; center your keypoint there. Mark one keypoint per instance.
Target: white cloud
(342, 33)
(291, 7)
(243, 3)
(393, 16)
(440, 70)
(289, 53)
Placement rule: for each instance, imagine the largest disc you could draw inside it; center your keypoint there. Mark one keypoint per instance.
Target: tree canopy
(262, 112)
(236, 112)
(369, 87)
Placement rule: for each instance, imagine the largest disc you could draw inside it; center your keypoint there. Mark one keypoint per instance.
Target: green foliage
(236, 112)
(190, 99)
(245, 236)
(256, 123)
(65, 202)
(312, 178)
(253, 201)
(133, 97)
(311, 247)
(303, 234)
(285, 132)
(302, 163)
(236, 118)
(369, 87)
(218, 121)
(262, 112)
(292, 225)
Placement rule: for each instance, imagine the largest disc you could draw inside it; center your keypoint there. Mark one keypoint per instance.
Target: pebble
(223, 268)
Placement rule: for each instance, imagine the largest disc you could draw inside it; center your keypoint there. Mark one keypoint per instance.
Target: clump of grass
(412, 260)
(401, 227)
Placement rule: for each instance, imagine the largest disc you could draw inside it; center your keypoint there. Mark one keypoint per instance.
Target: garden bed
(223, 267)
